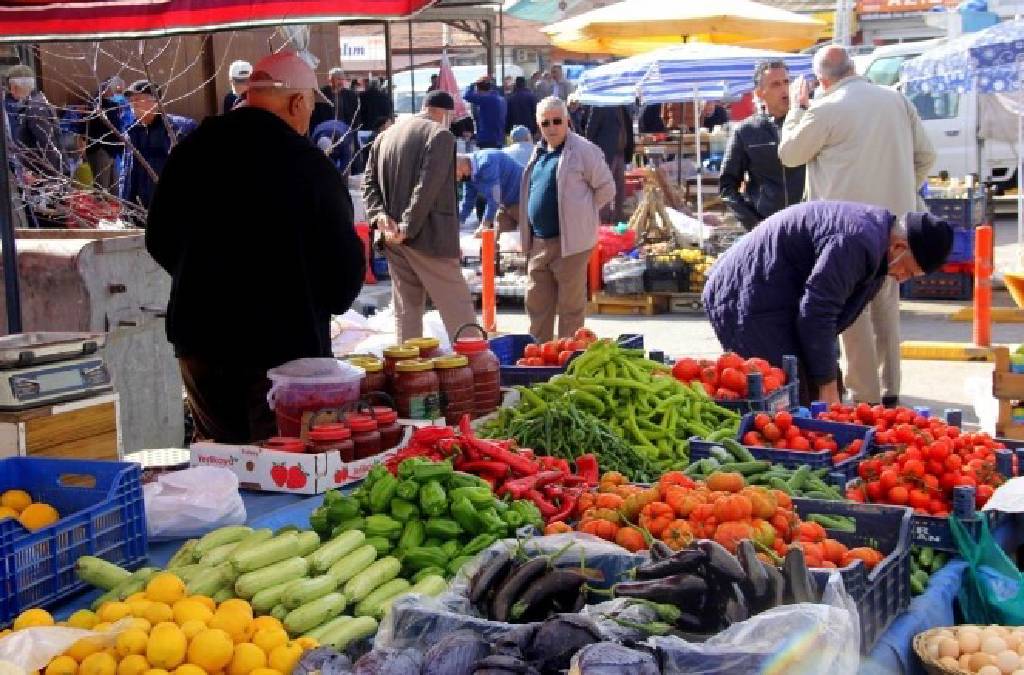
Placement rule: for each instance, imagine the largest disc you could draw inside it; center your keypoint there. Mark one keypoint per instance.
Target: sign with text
(362, 48)
(893, 6)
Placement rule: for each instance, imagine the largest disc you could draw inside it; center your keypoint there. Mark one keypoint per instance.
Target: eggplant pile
(702, 590)
(512, 590)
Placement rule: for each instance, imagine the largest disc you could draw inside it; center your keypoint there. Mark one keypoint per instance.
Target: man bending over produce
(803, 276)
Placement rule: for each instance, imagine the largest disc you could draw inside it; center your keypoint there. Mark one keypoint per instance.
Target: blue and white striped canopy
(669, 75)
(988, 61)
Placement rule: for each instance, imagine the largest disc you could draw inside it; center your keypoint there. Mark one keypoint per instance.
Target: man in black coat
(752, 155)
(341, 103)
(522, 108)
(255, 278)
(611, 129)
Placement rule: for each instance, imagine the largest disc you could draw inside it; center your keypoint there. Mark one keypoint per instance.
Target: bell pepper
(433, 500)
(443, 528)
(420, 557)
(408, 489)
(374, 475)
(512, 518)
(460, 479)
(342, 509)
(464, 513)
(382, 544)
(413, 535)
(480, 497)
(491, 522)
(432, 471)
(406, 467)
(357, 523)
(477, 544)
(450, 548)
(586, 467)
(529, 511)
(319, 522)
(382, 492)
(404, 511)
(382, 526)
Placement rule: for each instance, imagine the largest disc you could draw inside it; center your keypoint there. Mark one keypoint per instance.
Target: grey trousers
(872, 348)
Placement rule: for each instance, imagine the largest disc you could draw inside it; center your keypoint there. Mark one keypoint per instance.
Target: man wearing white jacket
(861, 143)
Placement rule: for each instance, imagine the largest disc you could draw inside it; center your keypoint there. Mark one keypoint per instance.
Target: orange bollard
(488, 300)
(983, 286)
(594, 272)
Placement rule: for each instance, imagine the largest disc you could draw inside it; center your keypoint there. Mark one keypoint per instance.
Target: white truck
(957, 124)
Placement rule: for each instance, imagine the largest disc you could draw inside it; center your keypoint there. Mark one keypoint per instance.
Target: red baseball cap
(285, 70)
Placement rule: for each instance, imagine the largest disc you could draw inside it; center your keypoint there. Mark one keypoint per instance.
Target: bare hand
(393, 234)
(800, 92)
(829, 392)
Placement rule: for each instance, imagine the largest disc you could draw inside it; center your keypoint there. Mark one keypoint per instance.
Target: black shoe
(890, 401)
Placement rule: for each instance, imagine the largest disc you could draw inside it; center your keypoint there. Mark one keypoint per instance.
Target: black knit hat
(142, 87)
(440, 99)
(930, 240)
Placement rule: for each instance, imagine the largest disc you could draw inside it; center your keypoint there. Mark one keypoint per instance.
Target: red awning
(40, 21)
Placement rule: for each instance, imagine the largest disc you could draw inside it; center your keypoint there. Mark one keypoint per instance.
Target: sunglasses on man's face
(557, 121)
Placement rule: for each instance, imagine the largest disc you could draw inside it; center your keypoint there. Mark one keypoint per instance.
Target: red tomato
(889, 479)
(777, 373)
(793, 432)
(771, 432)
(898, 495)
(771, 383)
(563, 357)
(761, 420)
(686, 370)
(874, 490)
(724, 394)
(840, 456)
(914, 467)
(710, 376)
(919, 499)
(953, 462)
(982, 494)
(730, 360)
(534, 361)
(732, 378)
(755, 364)
(799, 443)
(585, 335)
(783, 420)
(531, 350)
(522, 362)
(751, 438)
(549, 351)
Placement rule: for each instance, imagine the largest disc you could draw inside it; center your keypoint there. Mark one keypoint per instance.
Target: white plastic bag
(190, 503)
(1008, 497)
(32, 649)
(986, 407)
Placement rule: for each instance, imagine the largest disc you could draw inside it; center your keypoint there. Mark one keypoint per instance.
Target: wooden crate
(1005, 426)
(643, 304)
(85, 429)
(1005, 384)
(684, 303)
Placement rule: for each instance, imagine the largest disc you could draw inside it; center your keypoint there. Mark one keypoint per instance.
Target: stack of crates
(955, 281)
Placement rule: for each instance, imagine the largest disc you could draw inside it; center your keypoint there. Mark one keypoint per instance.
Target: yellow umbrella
(636, 26)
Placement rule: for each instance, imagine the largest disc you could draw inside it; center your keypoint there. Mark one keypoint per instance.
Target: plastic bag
(1008, 497)
(986, 407)
(190, 503)
(992, 591)
(33, 648)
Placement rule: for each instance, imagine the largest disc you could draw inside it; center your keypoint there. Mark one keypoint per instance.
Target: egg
(1012, 640)
(1017, 672)
(970, 641)
(993, 631)
(979, 660)
(993, 645)
(950, 663)
(989, 670)
(965, 661)
(1007, 661)
(948, 647)
(931, 648)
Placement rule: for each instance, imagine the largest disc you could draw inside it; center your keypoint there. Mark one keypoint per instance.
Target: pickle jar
(429, 346)
(416, 389)
(455, 380)
(486, 370)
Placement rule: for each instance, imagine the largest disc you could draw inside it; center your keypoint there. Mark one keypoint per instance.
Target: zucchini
(100, 573)
(184, 555)
(257, 537)
(279, 612)
(251, 583)
(218, 555)
(342, 636)
(188, 572)
(225, 535)
(207, 582)
(309, 541)
(281, 547)
(265, 600)
(306, 590)
(354, 563)
(312, 614)
(321, 559)
(135, 583)
(222, 595)
(318, 632)
(431, 585)
(377, 574)
(371, 604)
(427, 572)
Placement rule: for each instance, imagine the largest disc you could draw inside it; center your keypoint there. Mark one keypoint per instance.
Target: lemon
(15, 500)
(261, 622)
(165, 587)
(139, 606)
(141, 595)
(102, 627)
(166, 646)
(142, 624)
(8, 512)
(110, 612)
(206, 600)
(189, 669)
(33, 618)
(265, 671)
(83, 619)
(98, 664)
(247, 658)
(62, 665)
(268, 638)
(192, 628)
(136, 664)
(132, 641)
(158, 612)
(211, 650)
(156, 671)
(38, 516)
(307, 642)
(236, 604)
(190, 609)
(233, 622)
(285, 657)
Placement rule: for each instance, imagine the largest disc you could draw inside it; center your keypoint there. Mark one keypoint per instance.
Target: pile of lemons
(33, 516)
(174, 634)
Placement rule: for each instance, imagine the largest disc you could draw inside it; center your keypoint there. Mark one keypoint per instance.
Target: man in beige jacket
(861, 143)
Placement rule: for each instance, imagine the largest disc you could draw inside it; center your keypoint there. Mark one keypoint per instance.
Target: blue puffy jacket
(797, 280)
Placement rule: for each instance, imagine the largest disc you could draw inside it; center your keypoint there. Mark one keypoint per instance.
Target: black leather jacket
(753, 156)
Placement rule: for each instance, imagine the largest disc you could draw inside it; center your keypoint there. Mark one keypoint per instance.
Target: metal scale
(41, 368)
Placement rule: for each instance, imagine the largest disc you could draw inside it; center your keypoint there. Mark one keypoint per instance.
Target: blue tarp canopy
(987, 61)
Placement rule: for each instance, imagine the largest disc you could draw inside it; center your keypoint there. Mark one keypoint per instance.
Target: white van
(952, 120)
(409, 87)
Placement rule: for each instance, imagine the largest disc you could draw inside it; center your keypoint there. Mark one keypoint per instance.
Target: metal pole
(501, 41)
(412, 74)
(10, 253)
(389, 69)
(700, 183)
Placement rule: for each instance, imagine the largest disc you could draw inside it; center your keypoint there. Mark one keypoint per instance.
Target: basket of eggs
(971, 650)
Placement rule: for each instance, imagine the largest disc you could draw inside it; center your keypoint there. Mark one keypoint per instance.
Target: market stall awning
(40, 21)
(635, 26)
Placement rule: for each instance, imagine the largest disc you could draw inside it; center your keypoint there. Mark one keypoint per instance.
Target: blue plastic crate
(844, 434)
(959, 212)
(939, 286)
(380, 269)
(963, 245)
(884, 592)
(102, 514)
(509, 349)
(785, 397)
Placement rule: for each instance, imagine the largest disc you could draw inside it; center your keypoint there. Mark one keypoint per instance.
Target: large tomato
(734, 379)
(686, 370)
(730, 360)
(585, 335)
(531, 351)
(549, 352)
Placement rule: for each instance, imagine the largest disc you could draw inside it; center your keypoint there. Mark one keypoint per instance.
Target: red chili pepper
(519, 487)
(573, 479)
(525, 452)
(565, 509)
(497, 469)
(521, 466)
(546, 508)
(586, 467)
(431, 435)
(448, 446)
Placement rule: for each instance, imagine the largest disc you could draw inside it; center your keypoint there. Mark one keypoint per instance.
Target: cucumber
(380, 572)
(184, 555)
(279, 612)
(222, 595)
(431, 585)
(218, 555)
(109, 596)
(188, 572)
(426, 572)
(354, 563)
(312, 614)
(371, 604)
(251, 583)
(100, 573)
(225, 535)
(257, 537)
(279, 548)
(318, 632)
(265, 600)
(136, 583)
(342, 636)
(207, 582)
(309, 541)
(321, 559)
(306, 590)
(737, 450)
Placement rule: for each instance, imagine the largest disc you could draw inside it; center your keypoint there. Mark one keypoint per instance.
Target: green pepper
(465, 515)
(432, 471)
(460, 479)
(529, 511)
(433, 500)
(382, 545)
(443, 528)
(413, 535)
(319, 522)
(492, 522)
(456, 564)
(375, 474)
(500, 505)
(342, 509)
(426, 572)
(351, 524)
(406, 467)
(480, 497)
(432, 542)
(421, 557)
(382, 526)
(403, 511)
(382, 492)
(512, 518)
(450, 548)
(408, 489)
(477, 544)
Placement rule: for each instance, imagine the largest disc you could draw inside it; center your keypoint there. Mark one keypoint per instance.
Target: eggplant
(721, 563)
(686, 560)
(455, 654)
(735, 609)
(490, 575)
(515, 642)
(608, 658)
(327, 660)
(499, 664)
(799, 585)
(755, 583)
(558, 639)
(660, 550)
(776, 586)
(390, 662)
(515, 585)
(535, 603)
(681, 590)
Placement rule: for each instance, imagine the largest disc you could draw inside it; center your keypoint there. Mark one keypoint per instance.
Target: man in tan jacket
(861, 143)
(409, 192)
